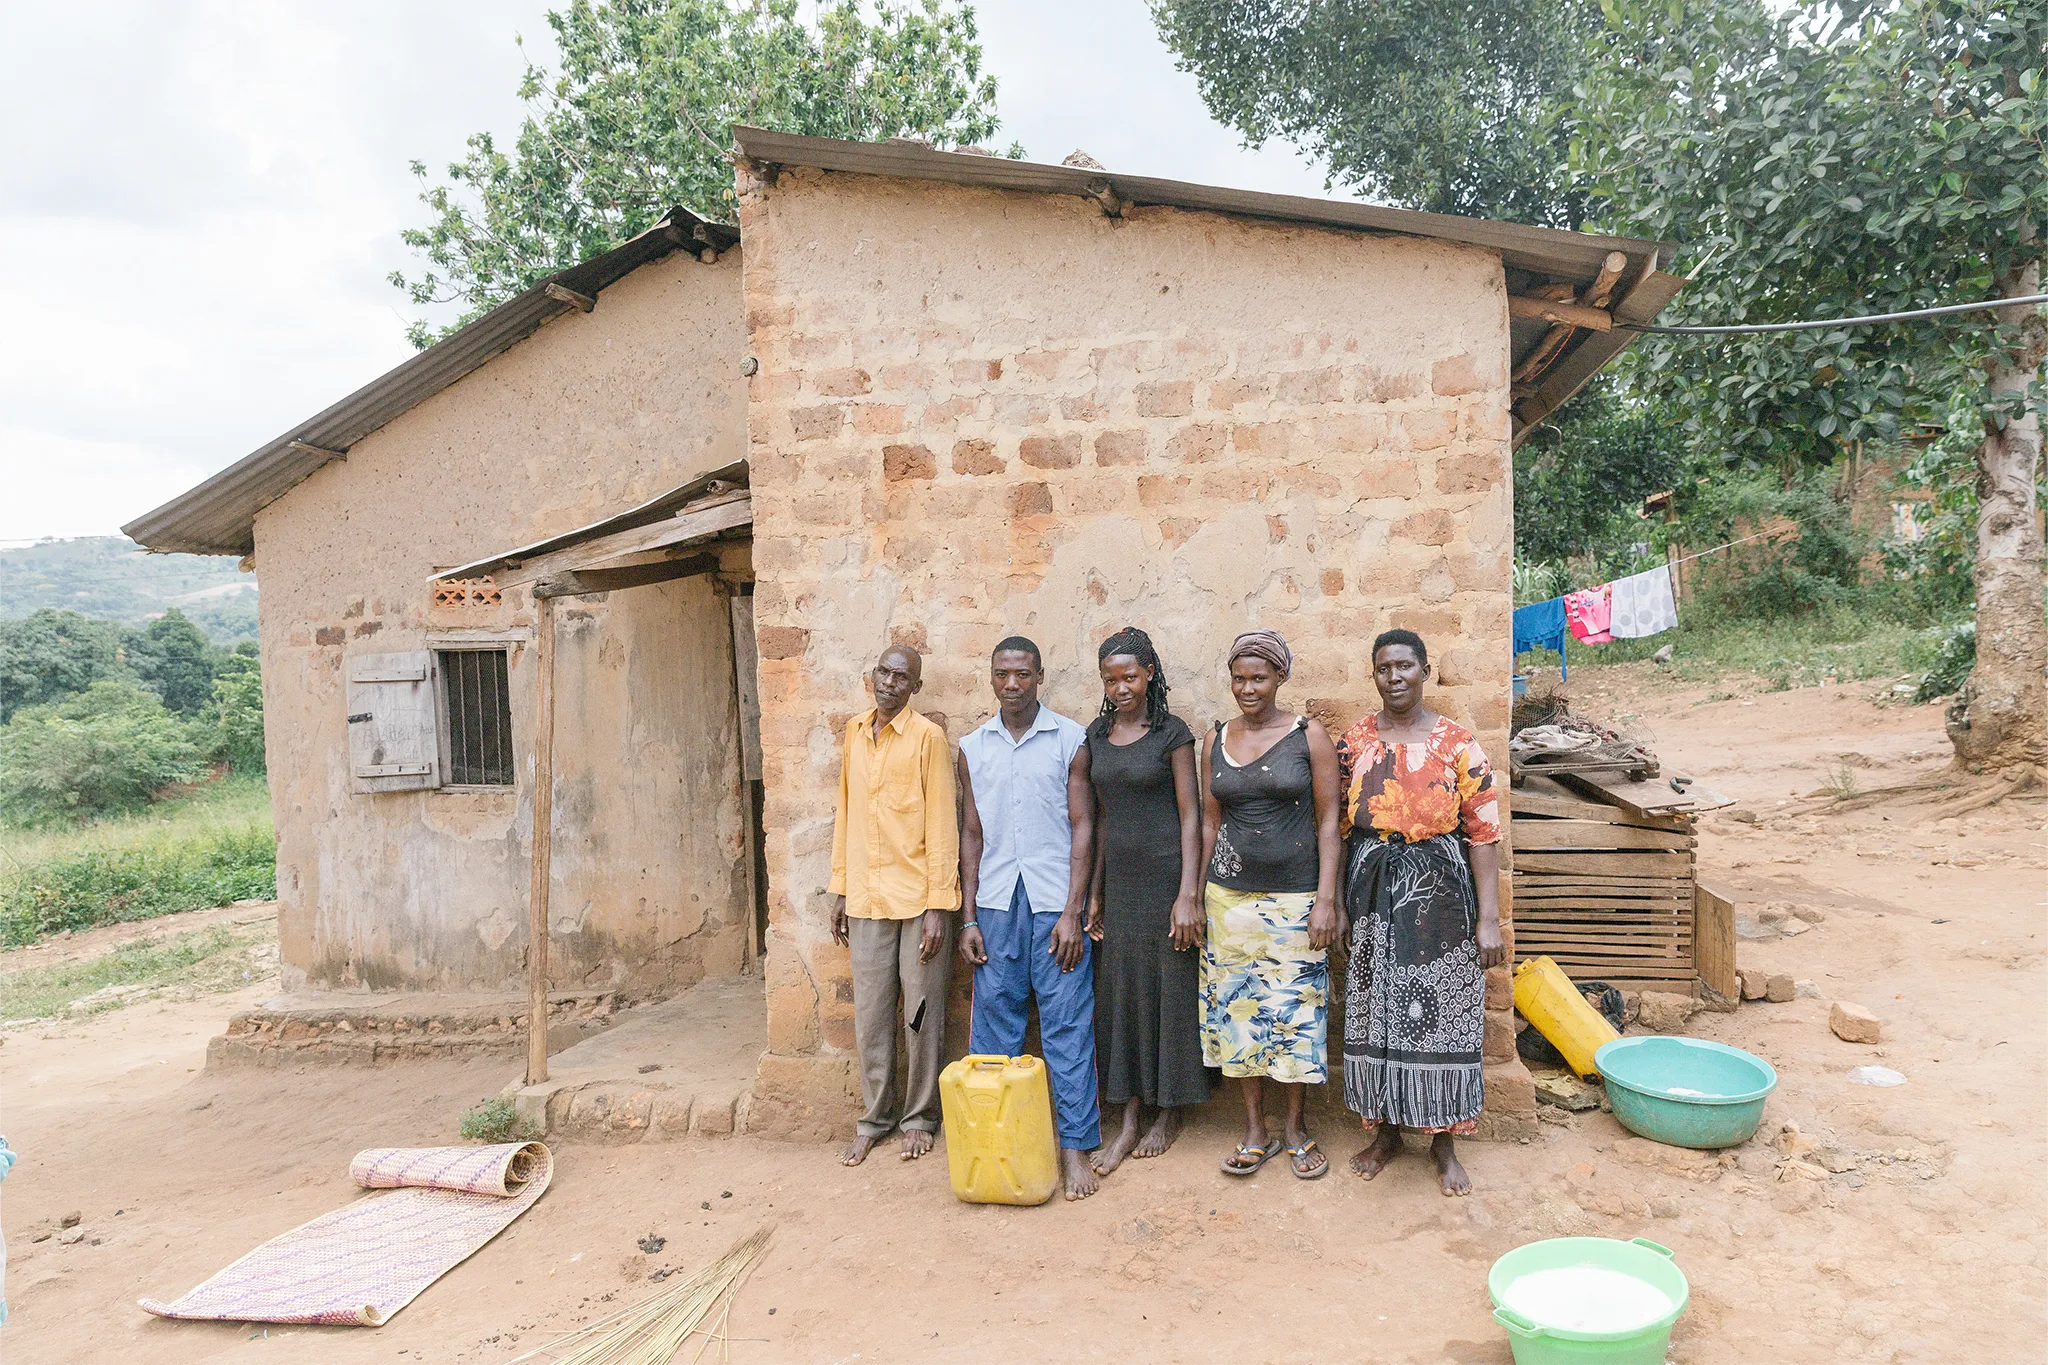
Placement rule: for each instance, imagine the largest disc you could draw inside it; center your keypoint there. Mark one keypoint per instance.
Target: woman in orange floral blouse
(1422, 888)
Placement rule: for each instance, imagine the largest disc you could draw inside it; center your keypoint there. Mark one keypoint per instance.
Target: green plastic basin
(1537, 1343)
(1685, 1091)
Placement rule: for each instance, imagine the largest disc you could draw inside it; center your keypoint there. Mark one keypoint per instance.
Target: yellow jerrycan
(999, 1141)
(1554, 1008)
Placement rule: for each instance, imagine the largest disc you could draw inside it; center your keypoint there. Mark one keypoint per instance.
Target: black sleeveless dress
(1147, 1024)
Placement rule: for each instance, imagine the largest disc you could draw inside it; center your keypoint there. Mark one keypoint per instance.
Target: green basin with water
(1535, 1341)
(1687, 1092)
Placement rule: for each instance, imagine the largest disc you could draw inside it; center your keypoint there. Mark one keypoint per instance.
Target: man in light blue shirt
(1026, 854)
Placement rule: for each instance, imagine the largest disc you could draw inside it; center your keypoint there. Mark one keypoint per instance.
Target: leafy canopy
(109, 748)
(637, 120)
(1449, 108)
(1819, 165)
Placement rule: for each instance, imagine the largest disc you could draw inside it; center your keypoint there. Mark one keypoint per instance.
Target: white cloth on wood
(1643, 605)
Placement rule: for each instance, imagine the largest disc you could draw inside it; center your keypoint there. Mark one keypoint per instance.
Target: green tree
(1580, 480)
(238, 706)
(52, 654)
(110, 748)
(172, 657)
(1825, 162)
(1449, 108)
(637, 121)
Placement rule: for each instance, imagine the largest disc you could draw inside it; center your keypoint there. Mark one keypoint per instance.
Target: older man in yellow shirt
(895, 886)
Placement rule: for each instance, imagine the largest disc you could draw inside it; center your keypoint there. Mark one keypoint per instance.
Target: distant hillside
(111, 578)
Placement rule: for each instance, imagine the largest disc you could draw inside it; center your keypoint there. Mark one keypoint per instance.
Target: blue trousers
(1020, 965)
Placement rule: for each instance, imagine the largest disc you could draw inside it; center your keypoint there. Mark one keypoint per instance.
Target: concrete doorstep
(682, 1068)
(335, 1028)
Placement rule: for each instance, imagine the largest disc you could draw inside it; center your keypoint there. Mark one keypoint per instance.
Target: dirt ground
(1931, 1248)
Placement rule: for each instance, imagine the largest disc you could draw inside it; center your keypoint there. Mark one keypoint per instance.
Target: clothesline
(1744, 541)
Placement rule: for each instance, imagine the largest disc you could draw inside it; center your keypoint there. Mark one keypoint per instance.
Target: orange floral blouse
(1421, 789)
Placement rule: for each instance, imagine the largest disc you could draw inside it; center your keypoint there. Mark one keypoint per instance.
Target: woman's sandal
(1245, 1152)
(1297, 1155)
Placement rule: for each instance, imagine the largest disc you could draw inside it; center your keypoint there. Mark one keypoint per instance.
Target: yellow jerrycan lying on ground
(999, 1140)
(1553, 1006)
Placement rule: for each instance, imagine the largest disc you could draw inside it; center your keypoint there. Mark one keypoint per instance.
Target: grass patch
(210, 960)
(210, 848)
(1839, 646)
(493, 1120)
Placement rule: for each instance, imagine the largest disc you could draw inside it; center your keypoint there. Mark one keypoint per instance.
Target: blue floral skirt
(1265, 993)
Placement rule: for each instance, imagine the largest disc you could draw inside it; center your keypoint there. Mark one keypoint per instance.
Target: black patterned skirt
(1415, 995)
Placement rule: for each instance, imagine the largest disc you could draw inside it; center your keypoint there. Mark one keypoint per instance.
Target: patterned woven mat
(361, 1263)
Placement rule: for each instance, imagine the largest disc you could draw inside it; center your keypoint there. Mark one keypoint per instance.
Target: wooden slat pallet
(1607, 890)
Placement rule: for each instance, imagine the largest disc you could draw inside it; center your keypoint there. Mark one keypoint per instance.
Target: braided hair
(1138, 645)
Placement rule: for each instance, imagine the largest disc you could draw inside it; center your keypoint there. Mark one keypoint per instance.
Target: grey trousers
(886, 974)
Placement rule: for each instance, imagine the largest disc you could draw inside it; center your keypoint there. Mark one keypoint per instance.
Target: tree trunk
(2002, 723)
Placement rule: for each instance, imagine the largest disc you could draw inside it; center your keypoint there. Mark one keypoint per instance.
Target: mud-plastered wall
(428, 890)
(980, 412)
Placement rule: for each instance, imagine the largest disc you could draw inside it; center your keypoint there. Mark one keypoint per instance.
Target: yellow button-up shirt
(895, 842)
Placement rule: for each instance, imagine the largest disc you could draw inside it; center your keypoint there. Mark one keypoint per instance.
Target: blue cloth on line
(1020, 965)
(1541, 625)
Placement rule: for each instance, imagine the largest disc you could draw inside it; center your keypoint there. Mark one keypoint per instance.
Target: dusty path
(1932, 1249)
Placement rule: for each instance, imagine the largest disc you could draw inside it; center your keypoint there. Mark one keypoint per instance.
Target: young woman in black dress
(1145, 910)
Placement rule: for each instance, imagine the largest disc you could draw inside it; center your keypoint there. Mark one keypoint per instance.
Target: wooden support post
(543, 832)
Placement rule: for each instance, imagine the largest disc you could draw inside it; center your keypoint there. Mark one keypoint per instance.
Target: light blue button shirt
(1020, 792)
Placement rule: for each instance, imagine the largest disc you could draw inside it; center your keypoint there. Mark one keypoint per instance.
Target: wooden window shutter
(393, 734)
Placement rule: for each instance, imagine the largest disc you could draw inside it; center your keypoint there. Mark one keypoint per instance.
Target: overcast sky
(200, 202)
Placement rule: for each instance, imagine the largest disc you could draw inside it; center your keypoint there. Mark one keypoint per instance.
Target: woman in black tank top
(1271, 850)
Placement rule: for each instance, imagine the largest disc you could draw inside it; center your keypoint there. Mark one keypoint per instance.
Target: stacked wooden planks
(1606, 891)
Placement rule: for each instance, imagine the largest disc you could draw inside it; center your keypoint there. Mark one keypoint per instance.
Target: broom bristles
(653, 1331)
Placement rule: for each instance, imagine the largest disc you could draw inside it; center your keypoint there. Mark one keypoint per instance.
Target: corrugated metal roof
(218, 516)
(1561, 255)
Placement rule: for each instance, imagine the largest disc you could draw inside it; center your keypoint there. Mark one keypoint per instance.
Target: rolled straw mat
(360, 1264)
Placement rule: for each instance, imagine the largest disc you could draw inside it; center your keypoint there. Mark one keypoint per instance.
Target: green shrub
(92, 886)
(493, 1120)
(1955, 655)
(238, 707)
(1766, 580)
(109, 748)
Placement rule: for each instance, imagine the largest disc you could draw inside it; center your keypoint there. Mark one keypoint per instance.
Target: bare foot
(1161, 1134)
(916, 1142)
(1078, 1176)
(1384, 1147)
(1112, 1153)
(1449, 1173)
(858, 1149)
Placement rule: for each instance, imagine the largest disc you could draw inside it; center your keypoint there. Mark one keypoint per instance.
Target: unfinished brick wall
(979, 412)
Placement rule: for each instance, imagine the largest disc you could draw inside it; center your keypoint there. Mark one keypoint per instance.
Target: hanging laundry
(1588, 611)
(1541, 625)
(1643, 605)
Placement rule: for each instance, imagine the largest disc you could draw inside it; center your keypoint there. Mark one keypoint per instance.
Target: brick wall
(979, 413)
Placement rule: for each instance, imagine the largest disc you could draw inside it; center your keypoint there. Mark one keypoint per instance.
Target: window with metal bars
(479, 710)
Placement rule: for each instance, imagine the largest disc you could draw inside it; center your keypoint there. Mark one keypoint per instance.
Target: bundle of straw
(654, 1331)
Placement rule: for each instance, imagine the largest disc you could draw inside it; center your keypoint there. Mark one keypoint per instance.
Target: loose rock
(71, 1236)
(1754, 983)
(1666, 1011)
(71, 1219)
(1567, 1092)
(1779, 988)
(1811, 914)
(1854, 1024)
(1834, 1160)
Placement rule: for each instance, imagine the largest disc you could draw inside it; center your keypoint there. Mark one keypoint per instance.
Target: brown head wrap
(1263, 644)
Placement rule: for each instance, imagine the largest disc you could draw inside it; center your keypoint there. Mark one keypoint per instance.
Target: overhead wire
(1820, 324)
